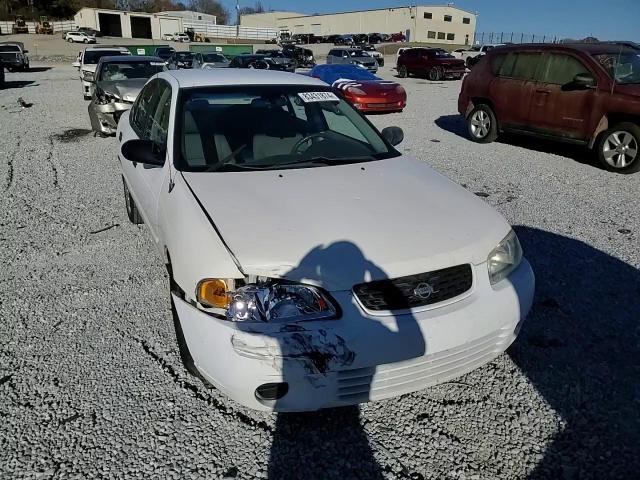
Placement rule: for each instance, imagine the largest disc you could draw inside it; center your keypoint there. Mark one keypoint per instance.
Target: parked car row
(177, 37)
(345, 39)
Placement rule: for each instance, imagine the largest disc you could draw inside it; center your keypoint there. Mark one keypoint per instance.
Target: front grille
(384, 381)
(415, 290)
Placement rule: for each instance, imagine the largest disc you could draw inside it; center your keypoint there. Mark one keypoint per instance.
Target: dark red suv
(435, 63)
(586, 94)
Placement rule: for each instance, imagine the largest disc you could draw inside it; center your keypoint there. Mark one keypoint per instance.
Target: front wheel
(482, 124)
(132, 209)
(402, 72)
(435, 74)
(86, 40)
(70, 40)
(619, 148)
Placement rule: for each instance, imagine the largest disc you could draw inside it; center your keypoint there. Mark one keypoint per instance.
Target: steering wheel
(295, 150)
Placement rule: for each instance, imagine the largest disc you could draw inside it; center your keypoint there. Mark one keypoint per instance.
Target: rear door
(513, 85)
(558, 107)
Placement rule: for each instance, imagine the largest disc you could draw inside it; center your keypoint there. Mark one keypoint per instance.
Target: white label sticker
(309, 97)
(218, 49)
(140, 51)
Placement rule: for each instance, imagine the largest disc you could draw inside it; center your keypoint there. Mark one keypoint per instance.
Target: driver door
(149, 119)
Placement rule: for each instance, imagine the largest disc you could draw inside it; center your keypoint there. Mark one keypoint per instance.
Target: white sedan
(79, 37)
(311, 264)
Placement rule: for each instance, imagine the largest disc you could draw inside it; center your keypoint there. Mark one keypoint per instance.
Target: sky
(604, 19)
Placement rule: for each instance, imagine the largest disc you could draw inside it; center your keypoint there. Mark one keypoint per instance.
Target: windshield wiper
(328, 161)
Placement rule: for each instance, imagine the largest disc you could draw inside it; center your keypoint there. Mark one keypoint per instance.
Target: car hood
(398, 214)
(631, 90)
(120, 88)
(363, 59)
(368, 86)
(281, 61)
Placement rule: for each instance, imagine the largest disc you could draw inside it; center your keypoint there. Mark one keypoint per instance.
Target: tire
(435, 74)
(132, 210)
(70, 40)
(86, 40)
(468, 63)
(403, 72)
(619, 148)
(183, 348)
(482, 124)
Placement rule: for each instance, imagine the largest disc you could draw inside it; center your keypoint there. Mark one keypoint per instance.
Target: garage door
(110, 24)
(169, 25)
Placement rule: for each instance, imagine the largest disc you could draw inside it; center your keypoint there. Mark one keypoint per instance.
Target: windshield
(442, 54)
(623, 67)
(130, 70)
(272, 127)
(92, 57)
(184, 56)
(9, 48)
(358, 53)
(214, 57)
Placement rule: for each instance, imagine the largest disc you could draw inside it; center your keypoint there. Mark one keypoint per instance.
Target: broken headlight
(505, 258)
(266, 300)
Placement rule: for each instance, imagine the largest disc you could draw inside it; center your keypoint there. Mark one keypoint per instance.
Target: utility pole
(237, 19)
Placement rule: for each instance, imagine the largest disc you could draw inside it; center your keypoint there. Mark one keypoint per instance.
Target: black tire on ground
(70, 40)
(86, 40)
(619, 148)
(482, 125)
(132, 210)
(403, 72)
(434, 74)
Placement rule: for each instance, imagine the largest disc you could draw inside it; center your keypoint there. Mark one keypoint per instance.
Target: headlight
(87, 76)
(356, 91)
(266, 300)
(505, 258)
(129, 98)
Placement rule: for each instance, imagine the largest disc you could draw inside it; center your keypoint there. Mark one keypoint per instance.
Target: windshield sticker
(157, 64)
(310, 97)
(140, 51)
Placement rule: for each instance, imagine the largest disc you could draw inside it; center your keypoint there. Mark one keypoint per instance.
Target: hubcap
(480, 124)
(620, 149)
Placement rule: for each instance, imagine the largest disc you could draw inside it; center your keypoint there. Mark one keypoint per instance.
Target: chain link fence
(514, 37)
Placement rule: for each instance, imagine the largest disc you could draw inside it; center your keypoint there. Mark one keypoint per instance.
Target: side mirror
(584, 80)
(393, 135)
(143, 151)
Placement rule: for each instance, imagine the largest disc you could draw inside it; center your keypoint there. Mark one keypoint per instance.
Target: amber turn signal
(212, 292)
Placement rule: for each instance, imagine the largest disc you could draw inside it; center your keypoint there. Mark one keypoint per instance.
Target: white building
(191, 16)
(117, 23)
(419, 23)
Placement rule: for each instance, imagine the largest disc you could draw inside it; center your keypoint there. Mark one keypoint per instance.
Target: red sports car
(363, 89)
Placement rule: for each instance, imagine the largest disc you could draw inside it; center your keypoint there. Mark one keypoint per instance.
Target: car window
(623, 66)
(560, 69)
(521, 65)
(272, 127)
(129, 70)
(9, 48)
(144, 109)
(160, 120)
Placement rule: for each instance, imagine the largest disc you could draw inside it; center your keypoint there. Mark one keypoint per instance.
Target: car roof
(131, 58)
(588, 48)
(233, 76)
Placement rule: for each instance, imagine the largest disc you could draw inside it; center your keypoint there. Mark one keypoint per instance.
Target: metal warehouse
(117, 23)
(427, 23)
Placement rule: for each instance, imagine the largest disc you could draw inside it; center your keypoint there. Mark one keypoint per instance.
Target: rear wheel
(619, 148)
(435, 74)
(482, 124)
(69, 39)
(132, 210)
(403, 72)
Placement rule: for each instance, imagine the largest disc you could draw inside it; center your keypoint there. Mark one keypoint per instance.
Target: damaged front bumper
(105, 117)
(362, 356)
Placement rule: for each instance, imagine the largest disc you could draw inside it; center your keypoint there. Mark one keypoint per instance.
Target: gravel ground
(91, 383)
